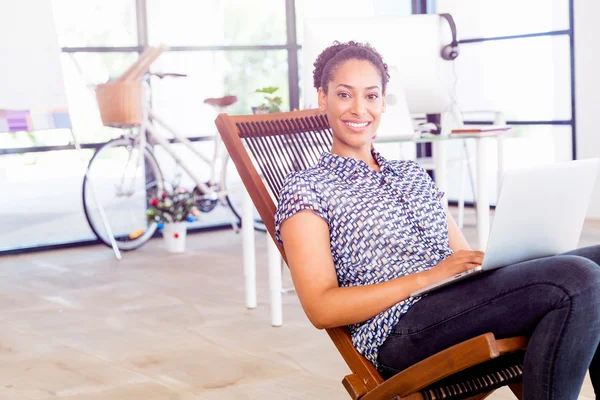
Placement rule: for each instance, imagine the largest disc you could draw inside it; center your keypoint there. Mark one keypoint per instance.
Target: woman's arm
(306, 241)
(455, 236)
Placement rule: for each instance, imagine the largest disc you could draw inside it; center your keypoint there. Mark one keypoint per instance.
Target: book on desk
(475, 129)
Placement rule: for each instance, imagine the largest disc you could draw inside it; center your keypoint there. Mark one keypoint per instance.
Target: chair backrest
(278, 144)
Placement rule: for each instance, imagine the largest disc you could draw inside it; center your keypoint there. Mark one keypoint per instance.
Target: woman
(361, 233)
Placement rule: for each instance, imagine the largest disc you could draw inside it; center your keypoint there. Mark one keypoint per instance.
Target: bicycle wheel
(122, 187)
(232, 184)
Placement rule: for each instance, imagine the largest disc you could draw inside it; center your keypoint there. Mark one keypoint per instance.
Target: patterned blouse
(381, 226)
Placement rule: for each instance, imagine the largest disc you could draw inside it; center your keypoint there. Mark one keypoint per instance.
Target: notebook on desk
(480, 128)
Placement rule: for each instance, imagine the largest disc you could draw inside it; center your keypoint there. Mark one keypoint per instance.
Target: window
(215, 74)
(44, 205)
(491, 18)
(216, 22)
(396, 8)
(530, 145)
(306, 9)
(527, 77)
(95, 22)
(226, 47)
(82, 71)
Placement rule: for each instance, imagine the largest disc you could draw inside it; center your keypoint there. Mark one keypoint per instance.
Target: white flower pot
(256, 110)
(174, 234)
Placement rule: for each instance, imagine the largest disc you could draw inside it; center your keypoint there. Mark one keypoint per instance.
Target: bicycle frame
(207, 191)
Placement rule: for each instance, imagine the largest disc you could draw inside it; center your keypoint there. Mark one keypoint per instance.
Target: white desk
(441, 178)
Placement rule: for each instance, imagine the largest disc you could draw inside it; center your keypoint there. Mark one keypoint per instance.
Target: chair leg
(274, 266)
(285, 290)
(470, 171)
(461, 199)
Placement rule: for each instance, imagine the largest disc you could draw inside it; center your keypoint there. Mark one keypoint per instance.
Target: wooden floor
(77, 324)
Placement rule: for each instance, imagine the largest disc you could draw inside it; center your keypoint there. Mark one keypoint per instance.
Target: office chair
(278, 144)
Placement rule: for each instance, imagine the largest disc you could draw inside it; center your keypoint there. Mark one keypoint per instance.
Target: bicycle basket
(121, 103)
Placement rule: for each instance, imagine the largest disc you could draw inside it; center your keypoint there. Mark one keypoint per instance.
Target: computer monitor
(410, 46)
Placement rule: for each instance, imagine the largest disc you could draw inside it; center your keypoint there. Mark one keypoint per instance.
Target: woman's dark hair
(335, 55)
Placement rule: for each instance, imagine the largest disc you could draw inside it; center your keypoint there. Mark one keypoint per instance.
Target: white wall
(587, 87)
(31, 76)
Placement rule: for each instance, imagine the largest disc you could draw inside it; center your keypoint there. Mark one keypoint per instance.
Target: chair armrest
(354, 386)
(512, 344)
(445, 363)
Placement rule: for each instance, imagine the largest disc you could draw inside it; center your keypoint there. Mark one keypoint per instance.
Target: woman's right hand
(460, 261)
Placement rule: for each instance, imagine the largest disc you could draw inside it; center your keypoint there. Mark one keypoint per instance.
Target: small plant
(271, 103)
(172, 204)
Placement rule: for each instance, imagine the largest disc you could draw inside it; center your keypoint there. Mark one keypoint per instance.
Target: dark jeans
(555, 301)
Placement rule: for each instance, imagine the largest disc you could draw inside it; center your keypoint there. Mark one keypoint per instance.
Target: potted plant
(172, 208)
(271, 103)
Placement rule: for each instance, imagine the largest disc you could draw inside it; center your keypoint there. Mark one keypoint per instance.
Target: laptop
(540, 213)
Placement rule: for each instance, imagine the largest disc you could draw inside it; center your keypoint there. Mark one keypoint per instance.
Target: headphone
(450, 51)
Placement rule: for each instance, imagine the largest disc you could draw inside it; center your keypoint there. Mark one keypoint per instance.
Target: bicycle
(124, 185)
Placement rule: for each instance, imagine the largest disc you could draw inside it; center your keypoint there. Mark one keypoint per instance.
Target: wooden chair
(279, 143)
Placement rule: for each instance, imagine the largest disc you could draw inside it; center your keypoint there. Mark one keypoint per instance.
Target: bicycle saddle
(221, 101)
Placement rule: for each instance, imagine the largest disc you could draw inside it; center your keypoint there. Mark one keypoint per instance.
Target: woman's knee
(575, 274)
(590, 252)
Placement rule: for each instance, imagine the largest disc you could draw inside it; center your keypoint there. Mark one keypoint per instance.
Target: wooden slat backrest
(285, 145)
(279, 144)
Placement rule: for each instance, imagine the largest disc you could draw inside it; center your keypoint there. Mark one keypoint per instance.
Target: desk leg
(500, 143)
(274, 261)
(441, 167)
(249, 251)
(483, 201)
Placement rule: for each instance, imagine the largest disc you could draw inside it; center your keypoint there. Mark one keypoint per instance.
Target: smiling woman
(354, 110)
(361, 233)
(351, 79)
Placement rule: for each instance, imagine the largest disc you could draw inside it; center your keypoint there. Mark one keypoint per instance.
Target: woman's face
(354, 102)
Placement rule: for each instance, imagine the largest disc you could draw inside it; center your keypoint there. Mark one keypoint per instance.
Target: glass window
(538, 144)
(180, 101)
(45, 198)
(396, 8)
(49, 137)
(529, 146)
(300, 79)
(94, 68)
(489, 18)
(95, 23)
(306, 9)
(82, 71)
(216, 22)
(527, 79)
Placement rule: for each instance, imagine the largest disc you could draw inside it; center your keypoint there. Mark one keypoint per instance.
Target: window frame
(430, 6)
